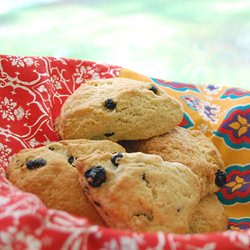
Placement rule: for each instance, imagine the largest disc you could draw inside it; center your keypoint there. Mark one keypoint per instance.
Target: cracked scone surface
(139, 191)
(209, 216)
(191, 148)
(118, 109)
(49, 172)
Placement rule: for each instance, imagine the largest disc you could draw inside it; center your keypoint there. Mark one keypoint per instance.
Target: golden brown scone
(139, 191)
(191, 148)
(49, 172)
(118, 109)
(209, 216)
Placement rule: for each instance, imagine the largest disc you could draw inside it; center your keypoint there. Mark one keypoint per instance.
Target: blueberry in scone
(95, 176)
(221, 178)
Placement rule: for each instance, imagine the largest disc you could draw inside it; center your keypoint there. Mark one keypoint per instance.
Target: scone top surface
(118, 109)
(139, 191)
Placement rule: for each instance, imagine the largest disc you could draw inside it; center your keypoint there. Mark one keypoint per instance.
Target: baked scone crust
(209, 216)
(189, 147)
(118, 109)
(140, 192)
(56, 183)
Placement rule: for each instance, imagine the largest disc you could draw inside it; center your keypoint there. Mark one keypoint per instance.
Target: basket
(32, 91)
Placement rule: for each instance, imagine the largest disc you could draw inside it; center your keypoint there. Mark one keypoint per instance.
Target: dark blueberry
(221, 178)
(154, 89)
(115, 158)
(71, 159)
(108, 134)
(37, 163)
(110, 104)
(95, 176)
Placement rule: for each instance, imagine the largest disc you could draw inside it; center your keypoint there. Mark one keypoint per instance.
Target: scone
(118, 109)
(209, 216)
(49, 172)
(140, 192)
(194, 150)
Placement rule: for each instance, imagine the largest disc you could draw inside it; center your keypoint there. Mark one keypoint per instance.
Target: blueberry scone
(118, 109)
(209, 216)
(191, 148)
(49, 172)
(140, 192)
